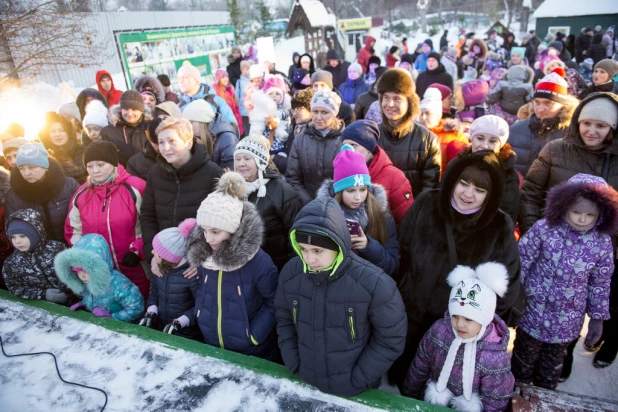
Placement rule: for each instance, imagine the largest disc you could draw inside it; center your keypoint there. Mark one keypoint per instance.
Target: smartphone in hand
(353, 227)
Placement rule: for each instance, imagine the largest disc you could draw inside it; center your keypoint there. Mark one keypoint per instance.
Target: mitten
(130, 260)
(55, 296)
(595, 330)
(100, 312)
(149, 320)
(78, 306)
(171, 327)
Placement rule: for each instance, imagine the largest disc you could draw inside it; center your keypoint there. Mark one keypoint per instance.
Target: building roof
(568, 8)
(316, 13)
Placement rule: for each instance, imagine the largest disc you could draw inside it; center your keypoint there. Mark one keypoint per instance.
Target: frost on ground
(136, 374)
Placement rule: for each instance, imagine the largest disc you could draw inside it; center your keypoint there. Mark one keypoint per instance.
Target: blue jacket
(205, 90)
(239, 89)
(351, 89)
(235, 300)
(224, 143)
(107, 288)
(421, 62)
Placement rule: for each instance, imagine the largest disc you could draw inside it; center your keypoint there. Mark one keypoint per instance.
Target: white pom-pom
(495, 276)
(437, 398)
(460, 403)
(263, 105)
(460, 273)
(232, 184)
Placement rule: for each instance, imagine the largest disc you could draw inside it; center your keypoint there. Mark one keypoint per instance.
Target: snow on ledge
(317, 14)
(568, 8)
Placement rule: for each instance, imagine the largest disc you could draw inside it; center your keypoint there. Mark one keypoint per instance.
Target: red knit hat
(350, 169)
(553, 87)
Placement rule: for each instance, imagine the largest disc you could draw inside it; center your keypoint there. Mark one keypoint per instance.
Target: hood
(311, 64)
(333, 54)
(294, 55)
(485, 160)
(91, 253)
(236, 251)
(98, 76)
(326, 190)
(152, 83)
(517, 74)
(32, 217)
(597, 38)
(218, 126)
(170, 108)
(573, 135)
(115, 114)
(5, 184)
(368, 41)
(84, 94)
(562, 196)
(482, 45)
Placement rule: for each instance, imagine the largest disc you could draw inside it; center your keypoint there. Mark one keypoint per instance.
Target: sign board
(265, 49)
(355, 24)
(164, 51)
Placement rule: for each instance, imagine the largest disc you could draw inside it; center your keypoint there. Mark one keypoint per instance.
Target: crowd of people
(348, 222)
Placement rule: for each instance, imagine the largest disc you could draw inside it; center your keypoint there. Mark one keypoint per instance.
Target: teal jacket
(106, 288)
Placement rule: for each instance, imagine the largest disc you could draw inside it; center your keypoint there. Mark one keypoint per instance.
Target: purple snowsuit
(493, 381)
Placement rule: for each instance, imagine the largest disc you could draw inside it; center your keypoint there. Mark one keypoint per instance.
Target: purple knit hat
(350, 169)
(171, 244)
(474, 92)
(220, 74)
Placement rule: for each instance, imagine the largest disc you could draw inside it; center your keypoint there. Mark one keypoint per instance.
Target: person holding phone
(365, 206)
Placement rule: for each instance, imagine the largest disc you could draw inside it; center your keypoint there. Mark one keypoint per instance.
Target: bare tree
(40, 36)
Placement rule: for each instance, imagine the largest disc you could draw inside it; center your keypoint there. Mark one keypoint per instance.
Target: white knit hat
(491, 125)
(432, 100)
(601, 109)
(256, 70)
(190, 70)
(222, 209)
(96, 114)
(257, 147)
(199, 111)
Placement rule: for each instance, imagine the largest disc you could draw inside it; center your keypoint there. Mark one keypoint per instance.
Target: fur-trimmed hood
(562, 196)
(467, 59)
(574, 135)
(234, 252)
(84, 95)
(43, 191)
(378, 191)
(5, 184)
(152, 83)
(92, 254)
(115, 115)
(32, 217)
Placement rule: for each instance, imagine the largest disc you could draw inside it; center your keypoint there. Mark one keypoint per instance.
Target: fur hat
(33, 154)
(350, 169)
(187, 69)
(327, 100)
(302, 98)
(257, 147)
(364, 132)
(399, 81)
(552, 87)
(132, 99)
(610, 66)
(491, 125)
(147, 82)
(101, 150)
(199, 111)
(70, 109)
(96, 114)
(602, 110)
(374, 60)
(171, 243)
(223, 208)
(323, 76)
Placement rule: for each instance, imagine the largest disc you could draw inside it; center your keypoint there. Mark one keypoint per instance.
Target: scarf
(358, 215)
(464, 212)
(257, 185)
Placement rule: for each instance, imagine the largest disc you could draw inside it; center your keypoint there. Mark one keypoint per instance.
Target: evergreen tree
(236, 19)
(265, 19)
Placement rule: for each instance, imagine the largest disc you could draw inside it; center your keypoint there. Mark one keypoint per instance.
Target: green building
(570, 16)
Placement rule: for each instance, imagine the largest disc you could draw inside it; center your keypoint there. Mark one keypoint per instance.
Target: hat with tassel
(258, 147)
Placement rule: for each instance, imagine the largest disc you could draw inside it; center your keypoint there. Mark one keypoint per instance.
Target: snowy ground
(137, 375)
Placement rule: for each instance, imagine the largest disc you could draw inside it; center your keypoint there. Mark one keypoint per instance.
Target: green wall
(576, 22)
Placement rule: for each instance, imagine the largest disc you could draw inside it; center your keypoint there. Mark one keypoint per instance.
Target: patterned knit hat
(103, 151)
(326, 100)
(171, 243)
(552, 87)
(350, 169)
(33, 154)
(302, 98)
(257, 147)
(223, 208)
(132, 99)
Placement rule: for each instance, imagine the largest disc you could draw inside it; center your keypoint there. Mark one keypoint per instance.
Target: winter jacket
(477, 62)
(112, 211)
(514, 92)
(352, 89)
(129, 138)
(340, 330)
(527, 137)
(451, 68)
(416, 154)
(311, 160)
(582, 44)
(437, 75)
(229, 95)
(107, 288)
(340, 73)
(530, 52)
(113, 97)
(365, 53)
(50, 197)
(140, 163)
(240, 87)
(225, 141)
(609, 87)
(234, 306)
(597, 51)
(173, 195)
(493, 381)
(293, 67)
(385, 256)
(559, 161)
(426, 260)
(233, 71)
(278, 209)
(398, 189)
(448, 130)
(174, 296)
(219, 106)
(28, 275)
(363, 102)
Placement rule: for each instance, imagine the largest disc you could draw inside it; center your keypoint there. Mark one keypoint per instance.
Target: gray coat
(514, 92)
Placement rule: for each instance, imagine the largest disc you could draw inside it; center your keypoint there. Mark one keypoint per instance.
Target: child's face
(600, 76)
(425, 48)
(245, 71)
(355, 196)
(83, 276)
(214, 236)
(515, 59)
(317, 258)
(483, 141)
(353, 74)
(276, 95)
(94, 132)
(21, 242)
(373, 67)
(465, 327)
(583, 218)
(476, 49)
(406, 66)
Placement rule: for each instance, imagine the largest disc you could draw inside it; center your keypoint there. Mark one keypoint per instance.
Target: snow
(136, 374)
(568, 8)
(317, 14)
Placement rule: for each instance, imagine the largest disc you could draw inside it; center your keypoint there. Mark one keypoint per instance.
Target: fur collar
(566, 113)
(41, 192)
(115, 115)
(233, 253)
(5, 184)
(152, 83)
(378, 191)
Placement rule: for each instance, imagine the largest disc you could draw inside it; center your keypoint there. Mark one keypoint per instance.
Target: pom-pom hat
(553, 87)
(350, 169)
(257, 147)
(171, 243)
(96, 114)
(223, 208)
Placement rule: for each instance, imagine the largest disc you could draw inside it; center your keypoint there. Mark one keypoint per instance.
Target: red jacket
(228, 94)
(112, 211)
(397, 186)
(113, 97)
(365, 53)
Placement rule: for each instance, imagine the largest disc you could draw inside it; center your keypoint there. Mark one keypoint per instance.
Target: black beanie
(132, 99)
(103, 151)
(164, 79)
(311, 238)
(435, 55)
(152, 127)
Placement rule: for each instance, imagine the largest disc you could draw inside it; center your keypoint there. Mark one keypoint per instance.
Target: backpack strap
(130, 189)
(75, 204)
(210, 98)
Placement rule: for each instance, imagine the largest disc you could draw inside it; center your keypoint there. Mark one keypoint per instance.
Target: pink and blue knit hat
(171, 244)
(350, 169)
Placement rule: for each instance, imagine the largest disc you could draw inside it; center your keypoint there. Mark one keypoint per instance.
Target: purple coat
(493, 381)
(565, 274)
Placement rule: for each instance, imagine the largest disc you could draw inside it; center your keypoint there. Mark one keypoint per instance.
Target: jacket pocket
(295, 310)
(245, 315)
(351, 322)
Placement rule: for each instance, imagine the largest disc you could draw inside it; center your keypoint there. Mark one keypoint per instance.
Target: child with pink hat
(225, 90)
(272, 120)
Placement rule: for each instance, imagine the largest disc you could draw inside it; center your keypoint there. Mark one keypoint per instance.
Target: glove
(100, 312)
(172, 327)
(78, 306)
(130, 260)
(150, 320)
(55, 296)
(595, 330)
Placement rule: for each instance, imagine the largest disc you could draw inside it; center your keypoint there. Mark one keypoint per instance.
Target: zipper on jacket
(351, 324)
(219, 306)
(205, 279)
(294, 310)
(111, 240)
(239, 292)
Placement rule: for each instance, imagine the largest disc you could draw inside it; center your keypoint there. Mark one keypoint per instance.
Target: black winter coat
(340, 330)
(140, 163)
(582, 44)
(346, 114)
(233, 71)
(128, 138)
(597, 51)
(609, 87)
(173, 195)
(340, 73)
(278, 209)
(174, 296)
(50, 197)
(363, 102)
(437, 75)
(417, 155)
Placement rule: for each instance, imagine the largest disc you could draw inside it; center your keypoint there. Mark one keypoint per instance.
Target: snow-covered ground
(138, 375)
